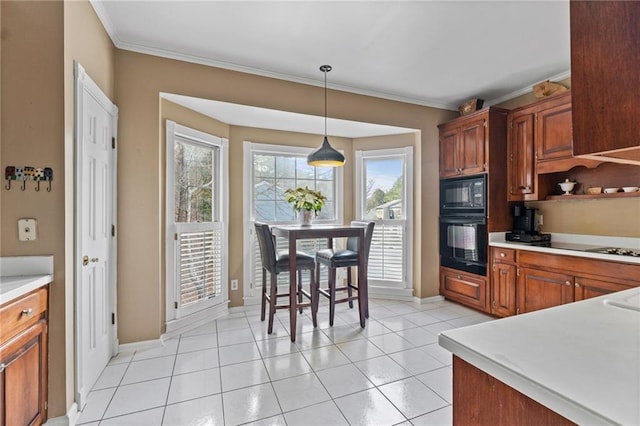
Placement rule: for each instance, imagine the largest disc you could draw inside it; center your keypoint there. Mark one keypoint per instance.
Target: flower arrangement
(305, 199)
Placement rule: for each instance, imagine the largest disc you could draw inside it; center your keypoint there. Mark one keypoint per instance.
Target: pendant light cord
(325, 101)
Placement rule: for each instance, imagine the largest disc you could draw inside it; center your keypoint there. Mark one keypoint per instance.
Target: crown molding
(527, 89)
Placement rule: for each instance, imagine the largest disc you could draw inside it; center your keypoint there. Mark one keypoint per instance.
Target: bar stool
(345, 258)
(275, 262)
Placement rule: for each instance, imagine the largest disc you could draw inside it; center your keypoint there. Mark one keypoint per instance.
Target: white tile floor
(231, 372)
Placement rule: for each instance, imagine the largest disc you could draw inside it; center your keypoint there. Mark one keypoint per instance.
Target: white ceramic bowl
(567, 187)
(610, 190)
(629, 188)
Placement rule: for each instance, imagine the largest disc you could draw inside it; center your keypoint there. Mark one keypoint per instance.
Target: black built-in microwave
(463, 196)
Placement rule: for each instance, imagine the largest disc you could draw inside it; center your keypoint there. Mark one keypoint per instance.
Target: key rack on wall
(28, 173)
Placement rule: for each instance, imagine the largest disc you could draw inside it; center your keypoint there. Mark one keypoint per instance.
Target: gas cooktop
(616, 250)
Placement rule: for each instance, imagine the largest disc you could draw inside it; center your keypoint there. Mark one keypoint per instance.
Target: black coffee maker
(526, 226)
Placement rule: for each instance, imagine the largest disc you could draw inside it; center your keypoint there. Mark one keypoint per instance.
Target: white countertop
(581, 360)
(574, 243)
(20, 275)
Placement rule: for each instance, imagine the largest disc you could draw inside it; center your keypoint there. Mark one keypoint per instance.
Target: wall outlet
(234, 284)
(540, 220)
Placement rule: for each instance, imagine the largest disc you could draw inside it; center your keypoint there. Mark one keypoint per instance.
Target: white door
(96, 119)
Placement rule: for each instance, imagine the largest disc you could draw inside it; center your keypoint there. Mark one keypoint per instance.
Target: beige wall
(39, 42)
(139, 80)
(615, 217)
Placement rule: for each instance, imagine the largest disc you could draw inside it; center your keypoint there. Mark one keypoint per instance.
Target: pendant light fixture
(326, 155)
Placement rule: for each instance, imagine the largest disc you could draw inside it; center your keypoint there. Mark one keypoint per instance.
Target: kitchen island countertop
(581, 360)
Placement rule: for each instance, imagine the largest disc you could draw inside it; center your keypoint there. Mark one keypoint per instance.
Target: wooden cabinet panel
(539, 289)
(23, 360)
(472, 150)
(449, 153)
(24, 377)
(503, 289)
(463, 287)
(586, 288)
(520, 146)
(553, 132)
(481, 399)
(605, 77)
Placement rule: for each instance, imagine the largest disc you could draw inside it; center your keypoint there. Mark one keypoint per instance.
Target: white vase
(305, 217)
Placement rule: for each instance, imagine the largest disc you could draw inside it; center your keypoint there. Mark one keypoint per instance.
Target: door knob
(86, 260)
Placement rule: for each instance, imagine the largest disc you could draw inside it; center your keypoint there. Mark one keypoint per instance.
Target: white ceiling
(435, 53)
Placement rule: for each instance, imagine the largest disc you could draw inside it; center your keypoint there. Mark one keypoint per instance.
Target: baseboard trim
(137, 346)
(402, 294)
(178, 326)
(69, 419)
(426, 300)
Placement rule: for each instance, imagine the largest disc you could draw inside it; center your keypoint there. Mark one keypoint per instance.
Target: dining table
(293, 233)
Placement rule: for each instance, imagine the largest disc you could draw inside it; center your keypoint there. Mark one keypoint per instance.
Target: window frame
(406, 152)
(221, 215)
(250, 295)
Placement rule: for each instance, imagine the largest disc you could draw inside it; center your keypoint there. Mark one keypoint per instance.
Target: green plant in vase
(305, 200)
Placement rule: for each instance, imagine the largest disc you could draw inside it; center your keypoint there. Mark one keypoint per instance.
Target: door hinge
(175, 305)
(518, 271)
(113, 318)
(46, 405)
(113, 142)
(484, 123)
(175, 236)
(113, 230)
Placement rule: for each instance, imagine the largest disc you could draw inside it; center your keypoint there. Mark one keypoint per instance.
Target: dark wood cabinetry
(503, 282)
(539, 289)
(468, 289)
(467, 143)
(23, 360)
(539, 136)
(525, 281)
(605, 59)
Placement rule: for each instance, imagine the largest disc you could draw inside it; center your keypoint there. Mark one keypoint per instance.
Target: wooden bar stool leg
(264, 294)
(332, 294)
(300, 288)
(349, 286)
(314, 296)
(273, 290)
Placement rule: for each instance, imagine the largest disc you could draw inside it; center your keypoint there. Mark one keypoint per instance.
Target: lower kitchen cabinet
(23, 360)
(463, 287)
(518, 283)
(586, 288)
(539, 289)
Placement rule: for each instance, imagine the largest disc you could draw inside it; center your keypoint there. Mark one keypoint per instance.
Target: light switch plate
(27, 229)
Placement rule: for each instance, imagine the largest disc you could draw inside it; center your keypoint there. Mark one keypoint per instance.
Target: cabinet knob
(502, 255)
(26, 312)
(459, 277)
(577, 285)
(567, 283)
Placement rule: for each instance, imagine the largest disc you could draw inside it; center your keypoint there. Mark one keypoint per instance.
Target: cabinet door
(554, 138)
(586, 288)
(503, 289)
(538, 289)
(23, 380)
(449, 152)
(472, 146)
(468, 289)
(521, 156)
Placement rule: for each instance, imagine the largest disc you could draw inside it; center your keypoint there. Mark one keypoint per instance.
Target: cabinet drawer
(464, 288)
(22, 312)
(504, 254)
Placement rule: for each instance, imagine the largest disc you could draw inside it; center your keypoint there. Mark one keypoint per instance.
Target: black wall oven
(463, 243)
(463, 224)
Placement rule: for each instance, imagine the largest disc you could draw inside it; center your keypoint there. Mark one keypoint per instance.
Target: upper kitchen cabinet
(553, 137)
(605, 77)
(468, 144)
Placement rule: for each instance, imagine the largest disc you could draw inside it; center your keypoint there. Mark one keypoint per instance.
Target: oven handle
(464, 220)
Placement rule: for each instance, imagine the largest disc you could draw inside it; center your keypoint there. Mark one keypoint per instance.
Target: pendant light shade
(325, 155)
